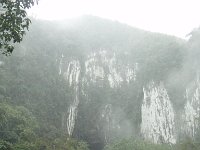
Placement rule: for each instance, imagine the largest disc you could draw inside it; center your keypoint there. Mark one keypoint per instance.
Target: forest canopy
(13, 22)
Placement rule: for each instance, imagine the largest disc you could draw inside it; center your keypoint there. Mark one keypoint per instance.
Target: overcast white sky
(175, 17)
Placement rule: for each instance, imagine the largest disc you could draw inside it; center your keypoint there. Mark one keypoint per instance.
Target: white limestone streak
(72, 75)
(101, 65)
(130, 74)
(157, 115)
(107, 116)
(93, 69)
(60, 64)
(192, 109)
(114, 76)
(136, 68)
(71, 119)
(73, 72)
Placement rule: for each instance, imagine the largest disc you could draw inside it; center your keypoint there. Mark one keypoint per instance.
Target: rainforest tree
(13, 22)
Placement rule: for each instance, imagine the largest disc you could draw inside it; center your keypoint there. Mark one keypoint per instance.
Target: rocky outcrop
(192, 109)
(98, 66)
(157, 115)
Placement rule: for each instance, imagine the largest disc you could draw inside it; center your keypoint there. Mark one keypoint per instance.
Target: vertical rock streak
(107, 116)
(192, 109)
(157, 115)
(72, 76)
(99, 66)
(60, 64)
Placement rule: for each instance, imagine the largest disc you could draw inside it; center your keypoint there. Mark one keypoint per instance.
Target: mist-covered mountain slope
(100, 81)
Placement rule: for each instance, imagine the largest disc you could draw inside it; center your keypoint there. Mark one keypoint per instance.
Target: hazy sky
(175, 17)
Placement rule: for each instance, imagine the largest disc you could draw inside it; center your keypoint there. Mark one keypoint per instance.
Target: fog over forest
(90, 83)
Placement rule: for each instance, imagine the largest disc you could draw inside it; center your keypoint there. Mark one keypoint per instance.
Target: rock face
(72, 76)
(157, 115)
(98, 66)
(108, 119)
(192, 109)
(114, 123)
(105, 66)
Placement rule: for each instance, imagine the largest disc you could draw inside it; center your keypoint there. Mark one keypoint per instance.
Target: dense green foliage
(34, 96)
(13, 22)
(19, 131)
(17, 127)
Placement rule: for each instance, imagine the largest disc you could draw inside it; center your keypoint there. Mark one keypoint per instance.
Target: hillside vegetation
(37, 91)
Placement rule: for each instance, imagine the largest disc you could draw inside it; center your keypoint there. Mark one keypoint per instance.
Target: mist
(110, 80)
